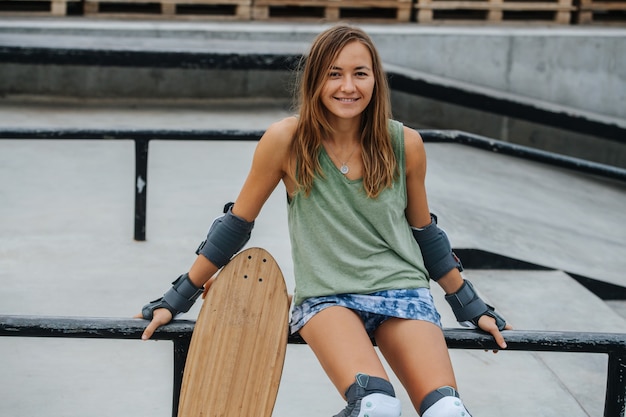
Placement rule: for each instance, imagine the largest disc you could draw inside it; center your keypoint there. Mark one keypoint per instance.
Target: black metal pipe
(457, 338)
(141, 187)
(524, 152)
(429, 135)
(181, 348)
(180, 331)
(615, 401)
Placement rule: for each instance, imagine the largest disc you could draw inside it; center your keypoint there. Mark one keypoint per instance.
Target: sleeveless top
(344, 242)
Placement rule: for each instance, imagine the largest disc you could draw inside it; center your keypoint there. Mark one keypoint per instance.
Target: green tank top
(342, 241)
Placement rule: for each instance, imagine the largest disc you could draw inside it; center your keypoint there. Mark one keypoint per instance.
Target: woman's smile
(349, 85)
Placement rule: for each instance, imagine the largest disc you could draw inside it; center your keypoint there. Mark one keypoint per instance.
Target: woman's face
(350, 82)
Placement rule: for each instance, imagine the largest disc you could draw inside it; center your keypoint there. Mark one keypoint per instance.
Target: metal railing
(142, 138)
(180, 331)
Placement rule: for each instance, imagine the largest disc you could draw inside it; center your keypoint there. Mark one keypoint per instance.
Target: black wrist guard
(177, 299)
(468, 307)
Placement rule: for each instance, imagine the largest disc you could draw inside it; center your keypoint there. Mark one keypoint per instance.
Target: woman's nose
(347, 85)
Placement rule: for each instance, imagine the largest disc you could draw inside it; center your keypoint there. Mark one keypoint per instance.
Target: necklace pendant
(344, 169)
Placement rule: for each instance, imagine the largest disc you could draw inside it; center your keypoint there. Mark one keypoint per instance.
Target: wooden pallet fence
(493, 11)
(35, 7)
(168, 9)
(605, 11)
(333, 10)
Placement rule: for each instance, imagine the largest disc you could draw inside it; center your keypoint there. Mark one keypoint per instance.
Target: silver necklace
(344, 168)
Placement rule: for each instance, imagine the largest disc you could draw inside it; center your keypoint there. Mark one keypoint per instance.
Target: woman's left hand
(488, 324)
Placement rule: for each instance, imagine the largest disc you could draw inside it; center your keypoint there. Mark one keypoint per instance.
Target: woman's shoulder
(274, 148)
(413, 147)
(412, 139)
(399, 129)
(279, 135)
(283, 129)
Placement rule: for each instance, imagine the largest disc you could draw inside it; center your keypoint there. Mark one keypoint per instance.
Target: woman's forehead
(354, 54)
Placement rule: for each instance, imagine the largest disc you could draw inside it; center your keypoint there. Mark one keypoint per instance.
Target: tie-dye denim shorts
(374, 308)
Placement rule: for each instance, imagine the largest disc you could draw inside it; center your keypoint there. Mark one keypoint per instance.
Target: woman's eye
(334, 74)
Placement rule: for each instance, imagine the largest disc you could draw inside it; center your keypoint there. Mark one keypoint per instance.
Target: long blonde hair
(379, 161)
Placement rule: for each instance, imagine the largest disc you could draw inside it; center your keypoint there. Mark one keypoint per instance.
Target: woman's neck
(345, 133)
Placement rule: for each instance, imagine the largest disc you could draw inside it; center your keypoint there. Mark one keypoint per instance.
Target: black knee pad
(443, 402)
(371, 396)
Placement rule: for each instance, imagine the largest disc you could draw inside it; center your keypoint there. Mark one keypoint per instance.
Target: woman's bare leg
(416, 351)
(338, 338)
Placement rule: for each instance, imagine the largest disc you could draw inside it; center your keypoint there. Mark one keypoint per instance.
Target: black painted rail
(180, 331)
(142, 138)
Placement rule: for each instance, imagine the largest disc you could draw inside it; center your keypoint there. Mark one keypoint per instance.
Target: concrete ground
(66, 248)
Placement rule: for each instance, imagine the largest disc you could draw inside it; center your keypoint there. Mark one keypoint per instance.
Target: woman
(364, 243)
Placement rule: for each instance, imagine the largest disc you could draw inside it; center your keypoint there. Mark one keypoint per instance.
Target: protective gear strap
(226, 236)
(467, 306)
(443, 402)
(437, 253)
(434, 396)
(371, 396)
(366, 384)
(177, 299)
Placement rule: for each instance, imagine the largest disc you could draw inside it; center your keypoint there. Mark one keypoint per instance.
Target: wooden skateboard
(238, 345)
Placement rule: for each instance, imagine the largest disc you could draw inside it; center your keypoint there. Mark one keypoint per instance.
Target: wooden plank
(557, 11)
(473, 5)
(607, 12)
(333, 10)
(494, 13)
(621, 5)
(187, 9)
(604, 5)
(34, 7)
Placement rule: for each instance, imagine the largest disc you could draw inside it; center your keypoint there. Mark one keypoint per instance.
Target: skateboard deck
(238, 345)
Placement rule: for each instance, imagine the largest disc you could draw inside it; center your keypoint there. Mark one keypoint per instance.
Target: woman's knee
(337, 337)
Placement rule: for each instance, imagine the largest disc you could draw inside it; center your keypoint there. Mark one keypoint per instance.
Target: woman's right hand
(160, 317)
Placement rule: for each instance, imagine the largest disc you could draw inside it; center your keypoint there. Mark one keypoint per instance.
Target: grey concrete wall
(137, 83)
(579, 67)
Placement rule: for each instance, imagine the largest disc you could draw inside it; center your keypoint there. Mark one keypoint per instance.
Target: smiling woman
(364, 243)
(344, 109)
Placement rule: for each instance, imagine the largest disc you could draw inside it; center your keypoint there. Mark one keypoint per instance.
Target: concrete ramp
(536, 383)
